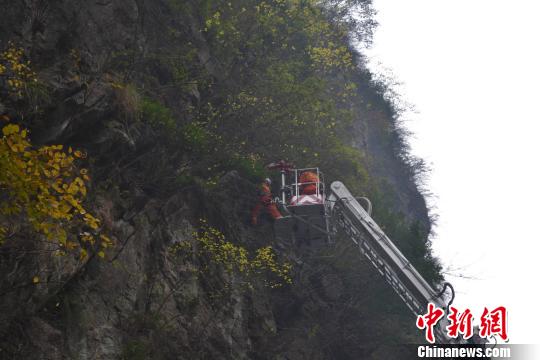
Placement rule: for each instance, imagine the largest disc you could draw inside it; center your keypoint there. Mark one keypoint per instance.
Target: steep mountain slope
(174, 107)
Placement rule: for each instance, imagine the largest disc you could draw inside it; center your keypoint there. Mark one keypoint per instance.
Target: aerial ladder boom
(347, 214)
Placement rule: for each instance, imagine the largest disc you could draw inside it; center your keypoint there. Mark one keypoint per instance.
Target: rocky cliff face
(143, 301)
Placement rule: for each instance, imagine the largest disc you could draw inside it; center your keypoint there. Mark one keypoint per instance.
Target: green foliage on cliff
(157, 115)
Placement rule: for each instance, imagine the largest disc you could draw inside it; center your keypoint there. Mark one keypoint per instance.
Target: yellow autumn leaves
(16, 70)
(45, 187)
(211, 243)
(331, 57)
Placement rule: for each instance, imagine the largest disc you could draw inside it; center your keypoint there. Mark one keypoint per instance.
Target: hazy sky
(472, 70)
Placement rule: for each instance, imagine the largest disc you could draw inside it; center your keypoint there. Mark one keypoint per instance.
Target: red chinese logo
(429, 320)
(461, 323)
(494, 323)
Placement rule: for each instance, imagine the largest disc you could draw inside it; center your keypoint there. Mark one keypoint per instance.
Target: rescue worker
(265, 200)
(308, 183)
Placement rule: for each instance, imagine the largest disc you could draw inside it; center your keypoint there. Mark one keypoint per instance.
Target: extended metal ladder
(347, 214)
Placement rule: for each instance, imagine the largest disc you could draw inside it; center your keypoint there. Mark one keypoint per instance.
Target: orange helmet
(308, 183)
(308, 177)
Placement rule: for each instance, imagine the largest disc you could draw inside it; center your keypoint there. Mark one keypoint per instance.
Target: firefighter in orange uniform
(265, 200)
(308, 183)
